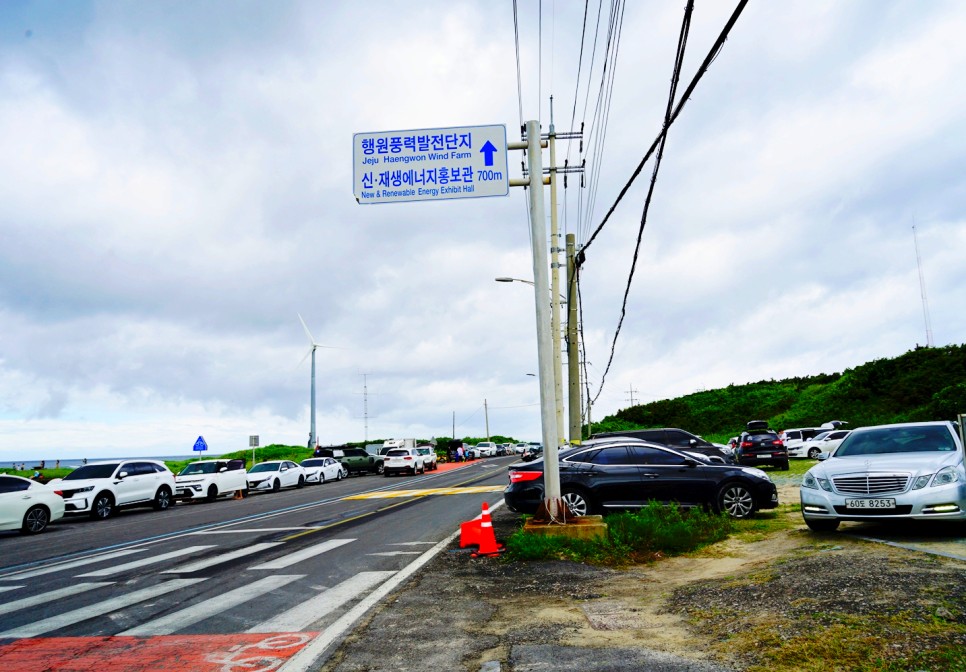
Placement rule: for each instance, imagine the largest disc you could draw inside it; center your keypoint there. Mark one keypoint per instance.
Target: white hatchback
(275, 475)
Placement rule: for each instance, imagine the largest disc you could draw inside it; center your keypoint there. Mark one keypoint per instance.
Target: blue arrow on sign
(489, 150)
(200, 444)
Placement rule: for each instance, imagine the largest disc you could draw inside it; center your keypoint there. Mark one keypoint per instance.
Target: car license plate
(870, 503)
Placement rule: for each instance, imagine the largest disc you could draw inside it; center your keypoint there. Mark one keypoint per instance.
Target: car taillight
(746, 444)
(59, 492)
(522, 476)
(777, 442)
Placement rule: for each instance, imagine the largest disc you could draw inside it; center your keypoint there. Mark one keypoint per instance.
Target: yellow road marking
(389, 494)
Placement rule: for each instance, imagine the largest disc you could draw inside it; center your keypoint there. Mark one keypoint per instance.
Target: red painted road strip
(171, 653)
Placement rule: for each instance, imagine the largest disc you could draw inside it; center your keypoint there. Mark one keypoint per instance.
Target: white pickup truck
(209, 479)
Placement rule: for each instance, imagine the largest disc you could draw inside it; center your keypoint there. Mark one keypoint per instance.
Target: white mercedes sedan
(904, 471)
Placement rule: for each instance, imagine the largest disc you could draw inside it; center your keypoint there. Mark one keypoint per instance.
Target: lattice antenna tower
(922, 290)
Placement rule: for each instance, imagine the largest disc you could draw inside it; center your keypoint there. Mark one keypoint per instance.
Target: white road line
(117, 569)
(390, 554)
(304, 554)
(303, 615)
(6, 588)
(259, 530)
(70, 565)
(212, 606)
(304, 660)
(98, 609)
(414, 543)
(218, 559)
(50, 595)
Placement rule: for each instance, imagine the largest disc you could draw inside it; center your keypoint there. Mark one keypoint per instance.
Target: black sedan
(609, 474)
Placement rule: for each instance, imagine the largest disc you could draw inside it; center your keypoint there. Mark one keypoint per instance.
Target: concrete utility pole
(555, 280)
(486, 416)
(573, 358)
(541, 289)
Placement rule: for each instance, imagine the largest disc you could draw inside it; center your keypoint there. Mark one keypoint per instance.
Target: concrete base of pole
(583, 527)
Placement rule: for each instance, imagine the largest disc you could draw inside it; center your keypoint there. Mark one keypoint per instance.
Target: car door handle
(650, 475)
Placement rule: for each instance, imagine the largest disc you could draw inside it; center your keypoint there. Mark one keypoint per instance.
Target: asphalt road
(227, 584)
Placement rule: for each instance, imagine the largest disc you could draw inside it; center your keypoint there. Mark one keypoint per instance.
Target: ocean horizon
(34, 463)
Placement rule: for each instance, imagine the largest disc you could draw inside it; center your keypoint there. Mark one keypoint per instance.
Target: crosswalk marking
(308, 612)
(390, 554)
(70, 565)
(6, 588)
(99, 609)
(218, 559)
(390, 494)
(414, 543)
(117, 569)
(49, 596)
(304, 554)
(210, 607)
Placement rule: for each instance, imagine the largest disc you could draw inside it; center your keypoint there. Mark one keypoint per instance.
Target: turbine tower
(313, 346)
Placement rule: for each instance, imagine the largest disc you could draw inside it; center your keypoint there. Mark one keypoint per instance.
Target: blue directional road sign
(200, 444)
(430, 164)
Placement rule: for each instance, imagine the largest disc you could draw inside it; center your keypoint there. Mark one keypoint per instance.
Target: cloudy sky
(176, 186)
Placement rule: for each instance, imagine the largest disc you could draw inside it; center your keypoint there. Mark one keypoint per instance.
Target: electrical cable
(712, 55)
(675, 78)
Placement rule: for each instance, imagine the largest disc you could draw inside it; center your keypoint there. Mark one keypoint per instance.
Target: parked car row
(100, 489)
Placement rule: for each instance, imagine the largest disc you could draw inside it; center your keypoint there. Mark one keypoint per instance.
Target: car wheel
(338, 475)
(102, 506)
(735, 500)
(301, 483)
(822, 525)
(322, 477)
(35, 520)
(578, 502)
(162, 500)
(244, 492)
(212, 493)
(276, 486)
(381, 468)
(813, 453)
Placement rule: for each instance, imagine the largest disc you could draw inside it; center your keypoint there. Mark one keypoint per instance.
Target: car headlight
(87, 489)
(921, 482)
(757, 473)
(945, 476)
(815, 482)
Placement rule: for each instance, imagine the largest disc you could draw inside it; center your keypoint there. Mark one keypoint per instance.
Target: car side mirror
(223, 470)
(823, 456)
(123, 474)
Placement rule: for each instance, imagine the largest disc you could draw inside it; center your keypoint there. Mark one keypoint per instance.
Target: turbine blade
(307, 332)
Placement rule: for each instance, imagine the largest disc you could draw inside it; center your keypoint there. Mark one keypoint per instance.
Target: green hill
(922, 384)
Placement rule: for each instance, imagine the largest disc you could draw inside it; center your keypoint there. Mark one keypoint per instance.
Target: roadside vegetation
(922, 384)
(632, 537)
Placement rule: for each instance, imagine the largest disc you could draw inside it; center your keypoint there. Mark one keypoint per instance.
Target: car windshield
(92, 471)
(423, 451)
(264, 466)
(313, 463)
(897, 440)
(198, 468)
(819, 437)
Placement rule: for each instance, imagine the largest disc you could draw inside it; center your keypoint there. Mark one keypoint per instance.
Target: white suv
(401, 460)
(486, 448)
(429, 457)
(101, 488)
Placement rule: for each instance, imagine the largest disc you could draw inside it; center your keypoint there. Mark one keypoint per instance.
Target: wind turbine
(313, 347)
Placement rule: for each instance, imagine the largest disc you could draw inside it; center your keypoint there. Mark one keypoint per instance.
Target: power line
(712, 54)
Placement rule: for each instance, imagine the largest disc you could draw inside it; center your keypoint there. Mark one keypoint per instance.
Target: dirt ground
(749, 603)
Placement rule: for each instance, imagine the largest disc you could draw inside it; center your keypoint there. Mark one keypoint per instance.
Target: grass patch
(634, 537)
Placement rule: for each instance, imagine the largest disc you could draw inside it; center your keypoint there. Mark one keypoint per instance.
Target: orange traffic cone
(487, 543)
(470, 533)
